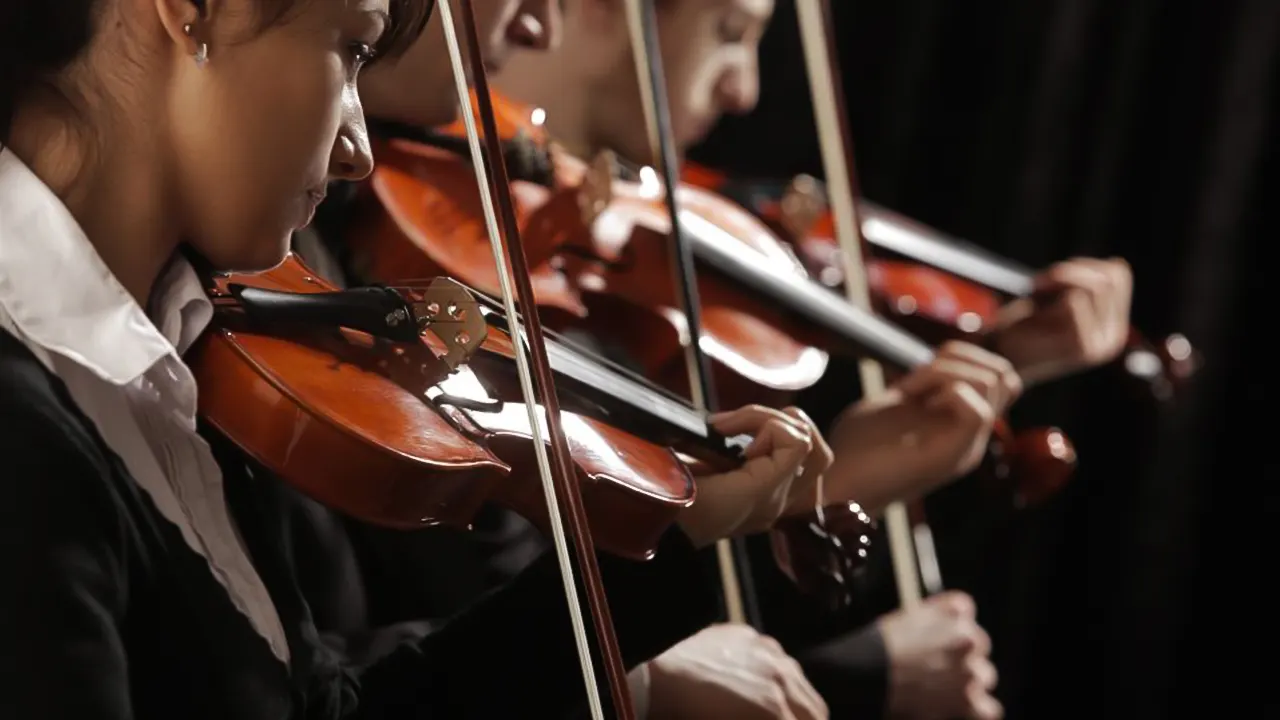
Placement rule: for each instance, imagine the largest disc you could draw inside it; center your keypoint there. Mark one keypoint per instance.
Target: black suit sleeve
(62, 553)
(506, 655)
(851, 672)
(513, 651)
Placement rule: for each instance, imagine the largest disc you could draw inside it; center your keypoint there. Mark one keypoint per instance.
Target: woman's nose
(738, 90)
(352, 158)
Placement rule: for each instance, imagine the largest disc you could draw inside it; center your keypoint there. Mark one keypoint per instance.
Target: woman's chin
(261, 256)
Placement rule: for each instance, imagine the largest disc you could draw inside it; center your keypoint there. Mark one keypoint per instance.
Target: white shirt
(125, 372)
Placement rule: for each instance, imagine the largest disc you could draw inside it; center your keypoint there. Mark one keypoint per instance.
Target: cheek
(692, 92)
(295, 121)
(257, 139)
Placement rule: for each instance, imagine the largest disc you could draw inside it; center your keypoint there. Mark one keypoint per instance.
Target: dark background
(1044, 129)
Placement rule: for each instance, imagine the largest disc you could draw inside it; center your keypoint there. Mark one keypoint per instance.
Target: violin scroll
(1037, 462)
(822, 551)
(1167, 367)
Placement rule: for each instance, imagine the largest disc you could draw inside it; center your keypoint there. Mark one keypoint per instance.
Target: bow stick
(911, 557)
(559, 480)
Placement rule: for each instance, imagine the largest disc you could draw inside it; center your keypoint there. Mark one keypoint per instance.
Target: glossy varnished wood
(320, 411)
(611, 270)
(360, 426)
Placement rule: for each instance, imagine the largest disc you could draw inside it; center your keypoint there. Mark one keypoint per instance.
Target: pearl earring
(202, 48)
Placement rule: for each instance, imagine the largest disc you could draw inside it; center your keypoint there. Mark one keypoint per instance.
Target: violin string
(813, 17)
(589, 354)
(559, 539)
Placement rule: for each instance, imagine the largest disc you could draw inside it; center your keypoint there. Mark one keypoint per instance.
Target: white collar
(44, 253)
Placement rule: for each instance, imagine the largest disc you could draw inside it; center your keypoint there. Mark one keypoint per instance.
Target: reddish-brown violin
(941, 287)
(347, 387)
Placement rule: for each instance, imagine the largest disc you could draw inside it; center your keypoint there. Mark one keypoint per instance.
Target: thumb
(743, 420)
(781, 441)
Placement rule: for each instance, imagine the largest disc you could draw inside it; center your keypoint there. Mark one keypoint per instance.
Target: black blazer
(107, 614)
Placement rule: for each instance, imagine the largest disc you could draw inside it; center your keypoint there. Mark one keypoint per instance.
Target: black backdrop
(1046, 128)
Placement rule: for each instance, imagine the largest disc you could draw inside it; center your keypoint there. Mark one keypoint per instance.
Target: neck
(115, 190)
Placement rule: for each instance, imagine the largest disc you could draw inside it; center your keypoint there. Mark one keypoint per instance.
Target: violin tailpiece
(449, 311)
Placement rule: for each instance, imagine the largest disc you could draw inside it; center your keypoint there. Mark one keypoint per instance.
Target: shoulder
(37, 414)
(55, 461)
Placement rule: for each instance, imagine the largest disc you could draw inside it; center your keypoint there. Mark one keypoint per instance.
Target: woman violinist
(587, 87)
(149, 576)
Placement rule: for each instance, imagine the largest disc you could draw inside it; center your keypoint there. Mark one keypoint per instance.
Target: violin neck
(898, 234)
(895, 233)
(797, 294)
(597, 387)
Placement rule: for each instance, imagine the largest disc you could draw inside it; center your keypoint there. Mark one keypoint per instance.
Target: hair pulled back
(40, 38)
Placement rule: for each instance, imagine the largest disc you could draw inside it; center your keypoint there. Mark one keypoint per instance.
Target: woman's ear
(187, 24)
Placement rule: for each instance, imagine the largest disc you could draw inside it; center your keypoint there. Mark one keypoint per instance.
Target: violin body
(387, 433)
(597, 265)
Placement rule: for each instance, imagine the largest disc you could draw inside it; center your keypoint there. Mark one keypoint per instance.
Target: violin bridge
(596, 190)
(447, 310)
(803, 203)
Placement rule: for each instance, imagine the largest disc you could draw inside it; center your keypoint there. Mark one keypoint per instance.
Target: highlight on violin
(563, 358)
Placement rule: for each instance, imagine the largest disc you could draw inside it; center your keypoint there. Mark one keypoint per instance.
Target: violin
(412, 390)
(601, 261)
(949, 288)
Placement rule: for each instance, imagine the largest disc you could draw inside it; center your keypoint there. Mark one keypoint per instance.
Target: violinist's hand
(938, 662)
(731, 671)
(1083, 324)
(784, 461)
(930, 427)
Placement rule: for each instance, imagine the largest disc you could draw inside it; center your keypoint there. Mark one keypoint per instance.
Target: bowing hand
(939, 667)
(1079, 319)
(932, 426)
(731, 671)
(784, 461)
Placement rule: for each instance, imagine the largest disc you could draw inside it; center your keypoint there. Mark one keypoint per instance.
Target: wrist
(1032, 370)
(641, 684)
(698, 534)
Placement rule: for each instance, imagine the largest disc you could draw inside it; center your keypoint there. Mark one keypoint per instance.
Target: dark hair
(39, 38)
